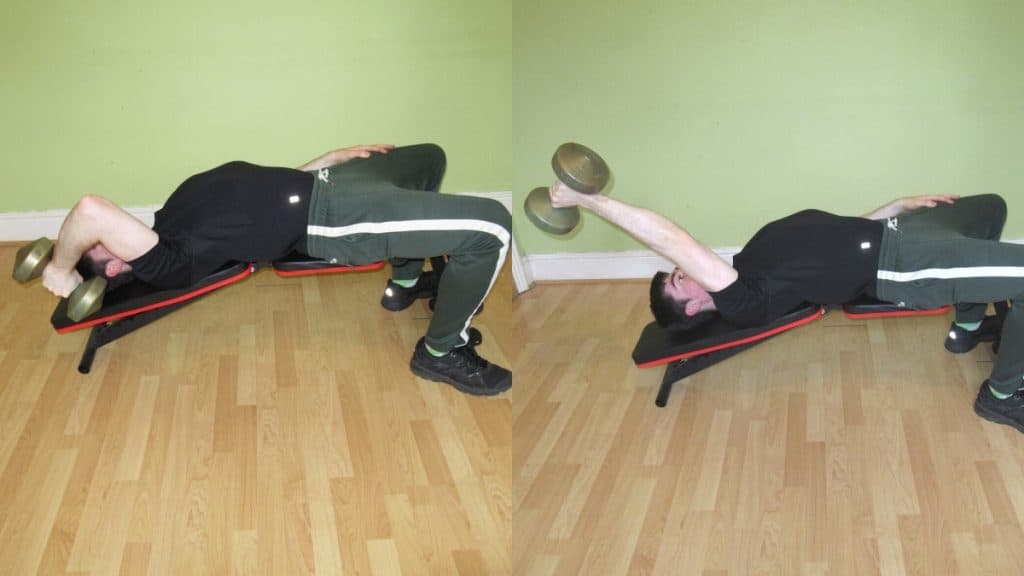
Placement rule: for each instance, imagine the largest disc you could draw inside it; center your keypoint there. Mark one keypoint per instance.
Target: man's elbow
(92, 207)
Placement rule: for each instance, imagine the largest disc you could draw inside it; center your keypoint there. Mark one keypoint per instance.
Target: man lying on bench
(920, 252)
(350, 206)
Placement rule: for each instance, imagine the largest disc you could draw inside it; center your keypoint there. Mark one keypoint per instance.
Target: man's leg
(981, 217)
(932, 273)
(928, 273)
(1001, 397)
(353, 221)
(417, 167)
(475, 235)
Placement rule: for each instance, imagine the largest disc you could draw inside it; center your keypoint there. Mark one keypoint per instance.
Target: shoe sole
(956, 349)
(960, 349)
(997, 417)
(436, 377)
(393, 306)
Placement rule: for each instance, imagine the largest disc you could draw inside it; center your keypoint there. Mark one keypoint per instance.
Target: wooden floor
(842, 447)
(272, 427)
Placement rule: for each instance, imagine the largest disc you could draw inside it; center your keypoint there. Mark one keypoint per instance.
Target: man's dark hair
(671, 314)
(89, 267)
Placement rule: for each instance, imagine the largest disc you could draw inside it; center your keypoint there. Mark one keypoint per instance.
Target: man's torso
(237, 212)
(810, 256)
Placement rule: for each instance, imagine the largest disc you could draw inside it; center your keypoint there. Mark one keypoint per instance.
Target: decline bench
(686, 353)
(136, 304)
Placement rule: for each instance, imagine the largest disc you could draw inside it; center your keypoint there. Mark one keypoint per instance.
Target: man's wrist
(590, 201)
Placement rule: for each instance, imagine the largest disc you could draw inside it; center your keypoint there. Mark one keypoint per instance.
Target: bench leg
(103, 334)
(680, 369)
(89, 354)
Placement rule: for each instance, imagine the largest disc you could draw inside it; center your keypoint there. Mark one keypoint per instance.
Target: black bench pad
(692, 351)
(138, 297)
(658, 346)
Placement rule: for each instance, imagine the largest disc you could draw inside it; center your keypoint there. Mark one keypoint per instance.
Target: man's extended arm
(660, 234)
(901, 205)
(94, 220)
(342, 155)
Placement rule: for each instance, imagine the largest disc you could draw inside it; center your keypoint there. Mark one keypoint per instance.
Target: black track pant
(386, 206)
(951, 254)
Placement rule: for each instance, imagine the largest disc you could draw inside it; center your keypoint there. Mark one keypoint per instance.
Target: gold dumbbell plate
(580, 168)
(31, 259)
(87, 298)
(548, 218)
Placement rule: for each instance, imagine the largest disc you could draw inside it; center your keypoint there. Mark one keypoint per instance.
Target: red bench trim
(897, 313)
(332, 269)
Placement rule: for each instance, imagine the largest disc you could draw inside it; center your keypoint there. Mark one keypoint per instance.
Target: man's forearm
(902, 205)
(323, 161)
(647, 226)
(78, 233)
(882, 212)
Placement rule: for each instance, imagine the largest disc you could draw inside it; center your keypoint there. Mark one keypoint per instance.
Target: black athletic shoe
(463, 368)
(1009, 411)
(959, 340)
(396, 298)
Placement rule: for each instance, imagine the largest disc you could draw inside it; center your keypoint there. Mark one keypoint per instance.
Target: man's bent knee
(994, 206)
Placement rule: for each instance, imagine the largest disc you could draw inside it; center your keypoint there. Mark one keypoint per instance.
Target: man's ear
(113, 267)
(692, 307)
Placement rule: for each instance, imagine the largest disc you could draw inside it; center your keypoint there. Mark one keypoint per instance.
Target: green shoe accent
(406, 283)
(999, 395)
(433, 352)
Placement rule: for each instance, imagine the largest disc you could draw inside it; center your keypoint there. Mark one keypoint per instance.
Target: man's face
(680, 287)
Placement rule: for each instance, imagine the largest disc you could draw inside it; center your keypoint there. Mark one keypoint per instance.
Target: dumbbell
(87, 298)
(31, 259)
(579, 168)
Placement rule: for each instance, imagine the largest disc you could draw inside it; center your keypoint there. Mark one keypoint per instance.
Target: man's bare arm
(901, 205)
(660, 234)
(342, 155)
(94, 220)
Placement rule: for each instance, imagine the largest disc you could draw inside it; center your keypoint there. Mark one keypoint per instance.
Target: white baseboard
(602, 265)
(27, 226)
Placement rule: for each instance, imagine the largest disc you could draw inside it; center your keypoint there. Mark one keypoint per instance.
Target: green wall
(126, 98)
(725, 114)
(719, 114)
